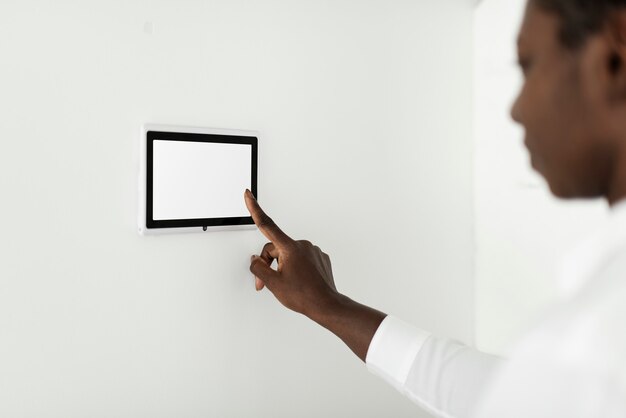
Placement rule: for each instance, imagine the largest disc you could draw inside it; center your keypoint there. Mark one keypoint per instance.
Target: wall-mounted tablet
(193, 179)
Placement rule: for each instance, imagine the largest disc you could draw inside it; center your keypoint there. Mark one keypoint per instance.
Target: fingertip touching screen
(198, 179)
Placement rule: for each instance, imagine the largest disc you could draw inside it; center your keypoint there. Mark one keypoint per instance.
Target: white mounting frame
(143, 230)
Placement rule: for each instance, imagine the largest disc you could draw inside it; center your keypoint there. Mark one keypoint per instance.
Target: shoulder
(574, 359)
(588, 331)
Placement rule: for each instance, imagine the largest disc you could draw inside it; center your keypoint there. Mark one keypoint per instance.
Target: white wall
(365, 110)
(522, 232)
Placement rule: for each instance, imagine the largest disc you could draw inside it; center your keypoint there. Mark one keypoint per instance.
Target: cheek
(551, 131)
(561, 134)
(565, 154)
(553, 119)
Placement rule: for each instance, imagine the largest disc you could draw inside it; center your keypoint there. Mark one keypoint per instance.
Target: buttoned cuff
(394, 349)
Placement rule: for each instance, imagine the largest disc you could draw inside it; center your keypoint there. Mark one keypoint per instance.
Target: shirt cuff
(394, 349)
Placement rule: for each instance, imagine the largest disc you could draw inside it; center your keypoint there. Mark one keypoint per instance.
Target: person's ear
(616, 61)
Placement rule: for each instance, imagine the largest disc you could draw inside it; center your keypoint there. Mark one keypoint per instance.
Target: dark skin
(573, 109)
(303, 282)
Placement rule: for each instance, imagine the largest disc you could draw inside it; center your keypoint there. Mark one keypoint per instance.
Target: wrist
(326, 308)
(351, 321)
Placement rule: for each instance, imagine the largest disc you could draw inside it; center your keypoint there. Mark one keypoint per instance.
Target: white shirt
(571, 365)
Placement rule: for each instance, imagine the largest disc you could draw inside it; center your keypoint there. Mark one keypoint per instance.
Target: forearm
(443, 376)
(351, 321)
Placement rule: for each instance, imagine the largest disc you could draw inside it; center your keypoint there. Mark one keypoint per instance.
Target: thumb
(263, 271)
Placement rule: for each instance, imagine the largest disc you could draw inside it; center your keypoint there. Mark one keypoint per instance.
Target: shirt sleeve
(443, 376)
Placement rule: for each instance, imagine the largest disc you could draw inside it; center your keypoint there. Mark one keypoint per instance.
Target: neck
(617, 184)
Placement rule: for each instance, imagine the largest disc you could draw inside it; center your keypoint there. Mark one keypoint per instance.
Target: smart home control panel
(193, 179)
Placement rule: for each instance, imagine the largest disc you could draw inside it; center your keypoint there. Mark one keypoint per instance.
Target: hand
(303, 280)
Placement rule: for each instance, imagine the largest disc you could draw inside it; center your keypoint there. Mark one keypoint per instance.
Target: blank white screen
(194, 180)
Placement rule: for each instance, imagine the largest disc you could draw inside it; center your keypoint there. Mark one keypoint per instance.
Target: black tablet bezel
(204, 223)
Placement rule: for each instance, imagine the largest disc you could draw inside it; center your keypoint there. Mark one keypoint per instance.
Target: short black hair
(580, 18)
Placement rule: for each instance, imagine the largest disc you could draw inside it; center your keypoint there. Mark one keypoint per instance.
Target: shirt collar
(581, 264)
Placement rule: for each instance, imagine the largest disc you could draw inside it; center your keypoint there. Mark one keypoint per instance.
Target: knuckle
(266, 221)
(291, 247)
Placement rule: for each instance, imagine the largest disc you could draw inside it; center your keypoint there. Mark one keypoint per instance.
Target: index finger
(265, 224)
